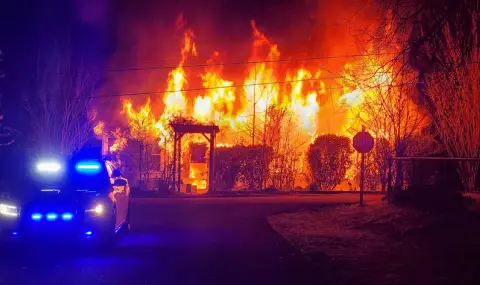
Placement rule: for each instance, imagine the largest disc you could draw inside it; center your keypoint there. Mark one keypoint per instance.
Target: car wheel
(107, 238)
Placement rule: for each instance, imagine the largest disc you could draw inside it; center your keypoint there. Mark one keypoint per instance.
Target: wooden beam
(205, 136)
(179, 161)
(211, 164)
(174, 161)
(194, 129)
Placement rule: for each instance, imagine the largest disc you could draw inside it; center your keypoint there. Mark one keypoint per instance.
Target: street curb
(233, 195)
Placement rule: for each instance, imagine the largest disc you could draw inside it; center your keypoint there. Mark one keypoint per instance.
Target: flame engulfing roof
(189, 128)
(183, 124)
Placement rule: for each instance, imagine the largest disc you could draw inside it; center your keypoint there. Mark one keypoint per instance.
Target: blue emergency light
(37, 216)
(89, 167)
(51, 217)
(67, 216)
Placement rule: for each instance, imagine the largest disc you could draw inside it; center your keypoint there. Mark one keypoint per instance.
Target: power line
(233, 86)
(253, 62)
(316, 58)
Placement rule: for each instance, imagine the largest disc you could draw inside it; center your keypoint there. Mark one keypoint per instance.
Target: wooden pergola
(182, 129)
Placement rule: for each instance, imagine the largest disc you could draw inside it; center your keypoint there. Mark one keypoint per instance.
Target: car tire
(107, 238)
(127, 224)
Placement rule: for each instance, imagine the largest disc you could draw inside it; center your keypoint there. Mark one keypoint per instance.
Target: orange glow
(232, 108)
(197, 175)
(235, 102)
(99, 128)
(120, 141)
(175, 100)
(142, 122)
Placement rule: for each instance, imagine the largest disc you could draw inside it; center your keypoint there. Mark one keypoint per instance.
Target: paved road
(186, 241)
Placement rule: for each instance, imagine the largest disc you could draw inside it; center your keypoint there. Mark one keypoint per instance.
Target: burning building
(279, 103)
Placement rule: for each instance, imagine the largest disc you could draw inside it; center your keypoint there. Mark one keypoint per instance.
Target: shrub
(329, 158)
(432, 198)
(241, 164)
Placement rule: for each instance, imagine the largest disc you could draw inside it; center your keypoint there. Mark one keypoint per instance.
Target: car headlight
(49, 167)
(8, 210)
(97, 210)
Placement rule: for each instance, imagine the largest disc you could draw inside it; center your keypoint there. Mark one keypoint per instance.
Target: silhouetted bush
(313, 187)
(329, 158)
(270, 189)
(432, 198)
(241, 164)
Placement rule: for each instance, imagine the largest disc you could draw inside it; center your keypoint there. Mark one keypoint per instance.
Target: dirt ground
(384, 244)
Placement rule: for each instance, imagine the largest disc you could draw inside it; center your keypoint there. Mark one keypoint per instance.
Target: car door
(120, 194)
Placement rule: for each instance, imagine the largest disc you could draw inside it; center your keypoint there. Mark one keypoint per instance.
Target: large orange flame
(234, 104)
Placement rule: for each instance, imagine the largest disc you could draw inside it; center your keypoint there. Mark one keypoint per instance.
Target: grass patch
(385, 244)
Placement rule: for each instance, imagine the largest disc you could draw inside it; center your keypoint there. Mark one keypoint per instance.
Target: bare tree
(389, 111)
(282, 136)
(143, 131)
(453, 97)
(59, 104)
(416, 24)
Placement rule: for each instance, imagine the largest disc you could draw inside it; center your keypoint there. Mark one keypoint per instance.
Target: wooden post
(105, 149)
(179, 182)
(141, 155)
(174, 161)
(211, 164)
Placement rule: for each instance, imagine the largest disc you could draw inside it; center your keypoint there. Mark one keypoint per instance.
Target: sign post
(363, 143)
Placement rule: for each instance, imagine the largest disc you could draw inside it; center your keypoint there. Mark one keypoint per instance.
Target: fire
(142, 122)
(219, 101)
(120, 141)
(306, 107)
(240, 105)
(224, 145)
(234, 108)
(175, 100)
(261, 84)
(203, 108)
(360, 85)
(197, 177)
(99, 128)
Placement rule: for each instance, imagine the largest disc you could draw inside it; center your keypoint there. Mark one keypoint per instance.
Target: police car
(53, 200)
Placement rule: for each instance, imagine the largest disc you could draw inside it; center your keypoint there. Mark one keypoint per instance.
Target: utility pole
(263, 148)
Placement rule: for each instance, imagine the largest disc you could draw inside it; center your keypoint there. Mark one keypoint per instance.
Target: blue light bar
(67, 216)
(51, 217)
(88, 233)
(37, 216)
(88, 167)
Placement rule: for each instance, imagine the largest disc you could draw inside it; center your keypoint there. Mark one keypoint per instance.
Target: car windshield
(90, 175)
(74, 175)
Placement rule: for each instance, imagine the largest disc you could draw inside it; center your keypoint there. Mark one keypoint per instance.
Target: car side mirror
(120, 182)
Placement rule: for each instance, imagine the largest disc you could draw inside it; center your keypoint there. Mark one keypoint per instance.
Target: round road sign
(363, 142)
